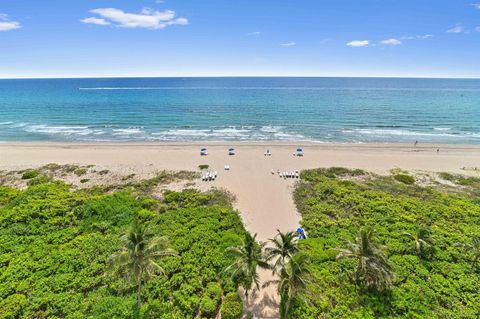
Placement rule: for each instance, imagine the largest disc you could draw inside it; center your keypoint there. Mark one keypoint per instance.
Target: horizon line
(239, 76)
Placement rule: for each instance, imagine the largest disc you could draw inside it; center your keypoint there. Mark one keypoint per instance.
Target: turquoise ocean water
(225, 109)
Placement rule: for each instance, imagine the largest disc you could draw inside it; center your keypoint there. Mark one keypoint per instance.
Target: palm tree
(373, 269)
(137, 259)
(293, 278)
(422, 242)
(284, 246)
(248, 256)
(474, 248)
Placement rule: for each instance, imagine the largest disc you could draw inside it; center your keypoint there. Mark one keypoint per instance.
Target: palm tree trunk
(139, 294)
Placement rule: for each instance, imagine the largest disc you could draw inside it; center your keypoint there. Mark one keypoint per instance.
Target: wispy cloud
(93, 20)
(254, 33)
(288, 44)
(391, 41)
(458, 28)
(6, 24)
(359, 43)
(476, 5)
(417, 37)
(147, 18)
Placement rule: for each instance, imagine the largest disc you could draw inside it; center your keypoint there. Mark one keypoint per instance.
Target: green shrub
(12, 306)
(29, 174)
(80, 172)
(404, 178)
(84, 180)
(7, 194)
(203, 166)
(447, 176)
(232, 306)
(208, 307)
(104, 172)
(42, 179)
(52, 167)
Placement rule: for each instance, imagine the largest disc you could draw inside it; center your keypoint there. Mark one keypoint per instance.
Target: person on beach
(415, 144)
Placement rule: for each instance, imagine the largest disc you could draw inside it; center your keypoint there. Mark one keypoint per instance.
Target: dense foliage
(429, 236)
(55, 243)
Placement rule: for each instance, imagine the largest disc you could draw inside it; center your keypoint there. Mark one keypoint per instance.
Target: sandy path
(263, 199)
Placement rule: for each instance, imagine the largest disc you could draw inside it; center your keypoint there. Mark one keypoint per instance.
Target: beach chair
(231, 151)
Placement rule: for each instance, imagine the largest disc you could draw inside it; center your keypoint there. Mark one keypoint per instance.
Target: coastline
(263, 198)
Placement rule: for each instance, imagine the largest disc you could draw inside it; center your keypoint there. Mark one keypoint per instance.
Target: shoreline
(339, 145)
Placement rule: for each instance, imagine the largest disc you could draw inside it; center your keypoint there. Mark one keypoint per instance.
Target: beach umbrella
(203, 149)
(299, 230)
(299, 149)
(231, 149)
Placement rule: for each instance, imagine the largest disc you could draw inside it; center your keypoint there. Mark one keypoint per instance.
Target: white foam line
(277, 88)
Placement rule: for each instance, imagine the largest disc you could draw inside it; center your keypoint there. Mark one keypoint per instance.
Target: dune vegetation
(377, 247)
(384, 247)
(90, 253)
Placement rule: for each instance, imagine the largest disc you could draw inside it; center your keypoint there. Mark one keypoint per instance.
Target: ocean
(345, 110)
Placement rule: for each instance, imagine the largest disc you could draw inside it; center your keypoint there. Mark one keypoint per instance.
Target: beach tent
(203, 151)
(231, 151)
(299, 151)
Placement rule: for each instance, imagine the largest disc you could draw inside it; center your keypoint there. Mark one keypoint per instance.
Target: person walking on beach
(415, 144)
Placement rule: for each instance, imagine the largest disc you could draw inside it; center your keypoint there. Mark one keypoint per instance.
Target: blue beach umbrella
(300, 230)
(299, 149)
(231, 149)
(203, 149)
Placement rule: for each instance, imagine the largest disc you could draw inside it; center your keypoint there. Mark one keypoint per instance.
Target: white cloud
(416, 37)
(288, 44)
(93, 20)
(6, 24)
(477, 29)
(476, 5)
(255, 33)
(358, 43)
(147, 18)
(456, 29)
(391, 41)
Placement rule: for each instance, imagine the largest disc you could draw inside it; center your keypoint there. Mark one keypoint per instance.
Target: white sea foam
(127, 131)
(6, 123)
(63, 130)
(400, 133)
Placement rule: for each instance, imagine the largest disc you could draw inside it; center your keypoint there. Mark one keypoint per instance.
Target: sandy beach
(263, 199)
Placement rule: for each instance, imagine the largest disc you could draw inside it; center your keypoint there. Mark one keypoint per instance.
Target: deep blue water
(190, 109)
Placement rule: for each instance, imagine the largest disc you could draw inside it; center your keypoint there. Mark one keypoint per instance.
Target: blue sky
(426, 38)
